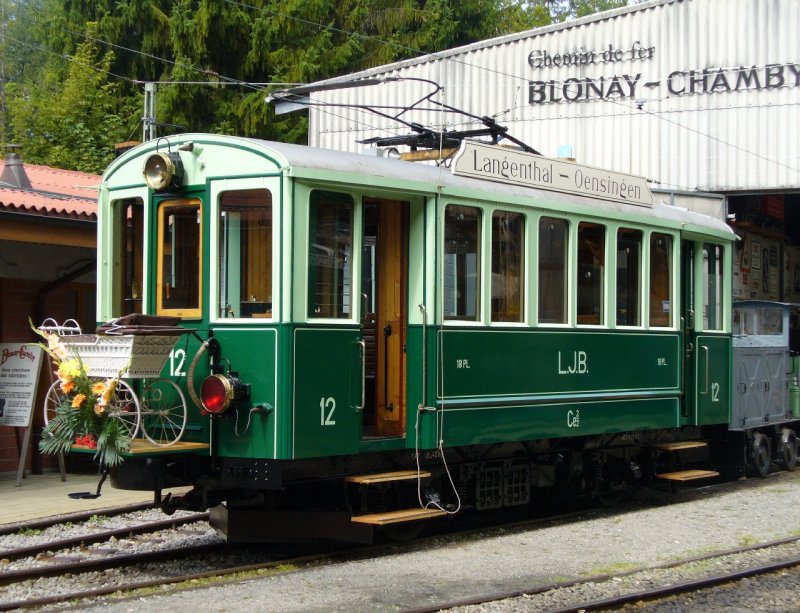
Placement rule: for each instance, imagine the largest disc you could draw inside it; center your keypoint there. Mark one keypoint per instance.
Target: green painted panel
(176, 368)
(252, 353)
(713, 376)
(327, 391)
(497, 363)
(518, 423)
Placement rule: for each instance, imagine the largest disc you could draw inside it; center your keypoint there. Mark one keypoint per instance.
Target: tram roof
(310, 162)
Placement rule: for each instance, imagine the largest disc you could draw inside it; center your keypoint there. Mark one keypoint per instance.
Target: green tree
(21, 57)
(211, 58)
(582, 8)
(71, 122)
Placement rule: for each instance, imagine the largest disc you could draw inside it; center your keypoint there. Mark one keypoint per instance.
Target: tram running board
(400, 475)
(688, 475)
(396, 517)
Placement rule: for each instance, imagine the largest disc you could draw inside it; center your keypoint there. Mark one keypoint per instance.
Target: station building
(697, 96)
(48, 253)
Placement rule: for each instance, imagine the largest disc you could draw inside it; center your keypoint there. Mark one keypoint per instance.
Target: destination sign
(504, 165)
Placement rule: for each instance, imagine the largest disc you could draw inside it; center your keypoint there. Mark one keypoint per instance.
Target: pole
(149, 119)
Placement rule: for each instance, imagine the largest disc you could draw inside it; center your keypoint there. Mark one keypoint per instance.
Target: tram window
(629, 274)
(128, 256)
(712, 287)
(330, 254)
(245, 248)
(660, 280)
(508, 231)
(553, 240)
(591, 273)
(179, 257)
(462, 231)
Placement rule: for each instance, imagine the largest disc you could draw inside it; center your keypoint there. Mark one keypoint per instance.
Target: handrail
(424, 312)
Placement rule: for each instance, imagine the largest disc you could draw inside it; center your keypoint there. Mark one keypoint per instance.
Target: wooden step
(688, 475)
(144, 446)
(399, 475)
(680, 445)
(396, 517)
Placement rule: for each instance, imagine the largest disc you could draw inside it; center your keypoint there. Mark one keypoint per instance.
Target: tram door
(706, 343)
(383, 316)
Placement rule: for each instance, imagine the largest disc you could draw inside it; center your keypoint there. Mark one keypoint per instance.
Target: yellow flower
(67, 386)
(78, 401)
(105, 396)
(99, 409)
(56, 346)
(69, 370)
(98, 388)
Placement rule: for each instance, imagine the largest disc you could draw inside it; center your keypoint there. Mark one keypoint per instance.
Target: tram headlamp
(163, 170)
(219, 391)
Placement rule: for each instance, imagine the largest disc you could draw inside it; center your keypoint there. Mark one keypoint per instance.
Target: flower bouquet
(82, 417)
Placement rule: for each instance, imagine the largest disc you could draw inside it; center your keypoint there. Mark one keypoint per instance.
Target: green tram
(377, 342)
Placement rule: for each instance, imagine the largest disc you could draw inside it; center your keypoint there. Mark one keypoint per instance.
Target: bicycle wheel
(163, 412)
(52, 400)
(124, 406)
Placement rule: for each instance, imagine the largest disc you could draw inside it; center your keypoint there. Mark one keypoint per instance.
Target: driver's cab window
(245, 254)
(128, 258)
(179, 258)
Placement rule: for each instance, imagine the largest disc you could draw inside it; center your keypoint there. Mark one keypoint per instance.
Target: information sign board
(20, 364)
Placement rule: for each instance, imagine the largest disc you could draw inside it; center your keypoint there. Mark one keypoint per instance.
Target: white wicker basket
(104, 356)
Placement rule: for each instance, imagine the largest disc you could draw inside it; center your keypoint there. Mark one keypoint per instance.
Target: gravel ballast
(659, 529)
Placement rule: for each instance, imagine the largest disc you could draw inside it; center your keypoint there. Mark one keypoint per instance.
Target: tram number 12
(326, 408)
(715, 391)
(177, 360)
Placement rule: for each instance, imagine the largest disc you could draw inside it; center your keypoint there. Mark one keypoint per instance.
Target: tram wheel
(760, 455)
(615, 485)
(789, 449)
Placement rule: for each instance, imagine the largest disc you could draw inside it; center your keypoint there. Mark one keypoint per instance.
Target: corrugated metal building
(695, 95)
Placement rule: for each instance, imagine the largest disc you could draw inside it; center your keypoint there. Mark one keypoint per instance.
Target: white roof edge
(432, 177)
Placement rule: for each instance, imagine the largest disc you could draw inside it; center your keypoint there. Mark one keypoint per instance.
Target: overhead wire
(442, 55)
(65, 56)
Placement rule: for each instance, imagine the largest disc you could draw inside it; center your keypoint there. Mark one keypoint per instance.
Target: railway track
(616, 602)
(98, 537)
(168, 566)
(111, 571)
(92, 548)
(540, 598)
(81, 516)
(142, 570)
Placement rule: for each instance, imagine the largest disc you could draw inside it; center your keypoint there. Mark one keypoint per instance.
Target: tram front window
(245, 248)
(462, 231)
(179, 257)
